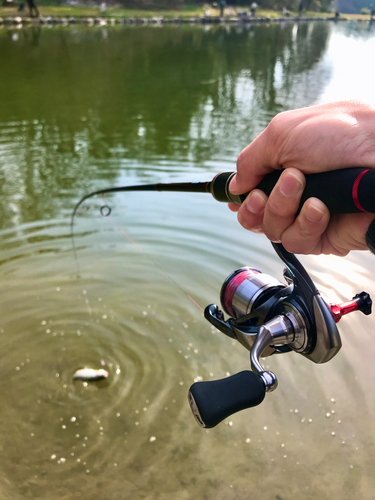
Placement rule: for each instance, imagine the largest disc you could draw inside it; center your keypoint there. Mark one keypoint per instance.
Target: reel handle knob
(211, 402)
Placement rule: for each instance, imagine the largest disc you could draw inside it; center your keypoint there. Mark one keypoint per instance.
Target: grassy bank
(189, 11)
(51, 10)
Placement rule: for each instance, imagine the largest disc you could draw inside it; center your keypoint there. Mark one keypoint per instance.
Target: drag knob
(212, 402)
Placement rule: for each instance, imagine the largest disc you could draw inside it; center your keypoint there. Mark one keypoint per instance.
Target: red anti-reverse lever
(349, 190)
(361, 302)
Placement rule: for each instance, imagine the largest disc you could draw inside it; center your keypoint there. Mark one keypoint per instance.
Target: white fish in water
(90, 374)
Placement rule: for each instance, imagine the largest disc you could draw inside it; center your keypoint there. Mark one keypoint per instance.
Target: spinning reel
(268, 317)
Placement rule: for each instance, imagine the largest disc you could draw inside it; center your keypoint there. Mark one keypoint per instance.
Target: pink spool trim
(233, 286)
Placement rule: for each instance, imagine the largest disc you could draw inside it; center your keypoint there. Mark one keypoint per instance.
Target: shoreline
(19, 21)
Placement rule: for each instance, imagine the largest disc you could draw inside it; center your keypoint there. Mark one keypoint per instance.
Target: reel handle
(212, 402)
(344, 191)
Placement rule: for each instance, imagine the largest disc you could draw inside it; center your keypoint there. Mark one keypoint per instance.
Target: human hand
(304, 141)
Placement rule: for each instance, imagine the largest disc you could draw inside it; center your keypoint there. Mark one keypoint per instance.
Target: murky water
(84, 108)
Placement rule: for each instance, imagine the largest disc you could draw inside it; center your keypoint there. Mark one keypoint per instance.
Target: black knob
(212, 402)
(364, 302)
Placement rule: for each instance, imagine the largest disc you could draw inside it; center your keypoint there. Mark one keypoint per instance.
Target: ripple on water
(123, 431)
(51, 327)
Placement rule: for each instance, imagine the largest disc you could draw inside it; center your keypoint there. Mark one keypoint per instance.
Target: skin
(304, 141)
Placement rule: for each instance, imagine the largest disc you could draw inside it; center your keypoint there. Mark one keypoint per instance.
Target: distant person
(222, 4)
(300, 7)
(253, 8)
(33, 8)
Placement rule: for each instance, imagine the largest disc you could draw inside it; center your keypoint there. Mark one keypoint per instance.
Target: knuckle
(300, 246)
(272, 234)
(241, 161)
(277, 124)
(306, 231)
(275, 224)
(279, 208)
(284, 200)
(292, 247)
(248, 221)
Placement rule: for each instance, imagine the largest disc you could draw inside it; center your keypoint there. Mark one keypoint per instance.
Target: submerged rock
(90, 374)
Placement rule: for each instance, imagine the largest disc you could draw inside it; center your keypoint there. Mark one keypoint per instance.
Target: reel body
(268, 317)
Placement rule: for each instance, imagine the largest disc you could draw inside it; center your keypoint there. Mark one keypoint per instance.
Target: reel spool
(245, 289)
(268, 317)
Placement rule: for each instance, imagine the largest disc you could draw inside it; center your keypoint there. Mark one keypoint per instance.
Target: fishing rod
(266, 316)
(344, 191)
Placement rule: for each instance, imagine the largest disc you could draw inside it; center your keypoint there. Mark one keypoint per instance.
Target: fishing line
(122, 231)
(106, 212)
(334, 188)
(84, 292)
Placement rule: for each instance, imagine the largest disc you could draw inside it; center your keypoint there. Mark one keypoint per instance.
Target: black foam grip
(212, 402)
(345, 191)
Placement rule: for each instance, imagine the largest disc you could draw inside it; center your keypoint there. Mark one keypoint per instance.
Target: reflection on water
(83, 108)
(88, 108)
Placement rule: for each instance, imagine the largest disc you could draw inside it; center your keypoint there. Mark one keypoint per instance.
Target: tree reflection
(79, 104)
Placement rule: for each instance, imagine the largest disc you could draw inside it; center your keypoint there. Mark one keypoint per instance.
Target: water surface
(84, 108)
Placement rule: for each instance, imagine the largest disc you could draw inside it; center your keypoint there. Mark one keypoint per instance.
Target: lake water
(87, 108)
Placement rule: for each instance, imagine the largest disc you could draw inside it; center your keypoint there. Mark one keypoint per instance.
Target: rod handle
(345, 191)
(211, 402)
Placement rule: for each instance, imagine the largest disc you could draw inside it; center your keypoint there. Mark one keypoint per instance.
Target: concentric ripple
(128, 310)
(55, 321)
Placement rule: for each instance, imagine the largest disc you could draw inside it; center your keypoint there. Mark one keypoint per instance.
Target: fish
(90, 374)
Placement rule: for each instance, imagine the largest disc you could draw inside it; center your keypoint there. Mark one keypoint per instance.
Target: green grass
(188, 11)
(67, 11)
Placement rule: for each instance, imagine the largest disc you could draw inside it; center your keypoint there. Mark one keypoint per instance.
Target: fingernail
(233, 184)
(255, 203)
(313, 213)
(290, 185)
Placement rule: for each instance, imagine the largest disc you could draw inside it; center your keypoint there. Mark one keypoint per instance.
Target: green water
(85, 108)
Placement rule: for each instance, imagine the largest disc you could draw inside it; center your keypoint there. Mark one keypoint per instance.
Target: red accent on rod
(355, 190)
